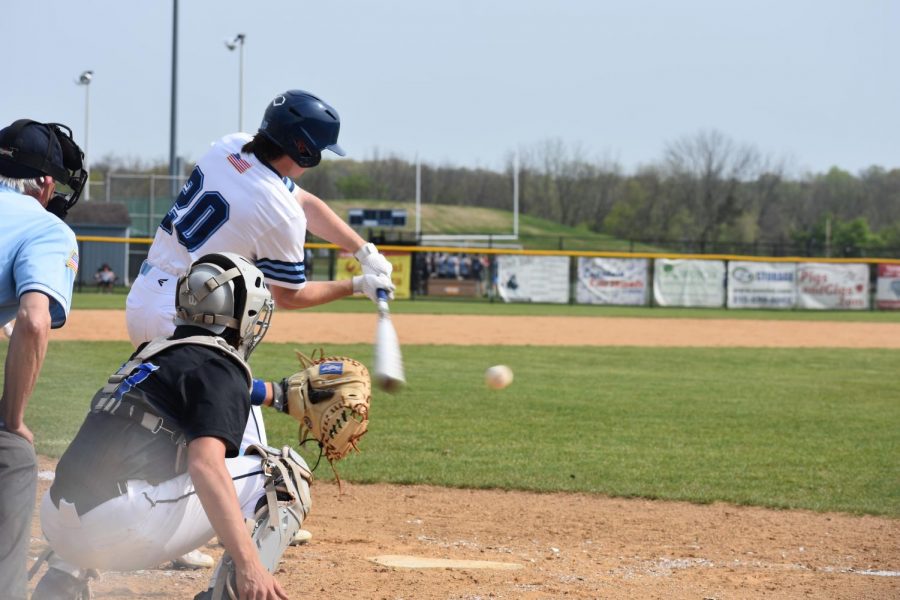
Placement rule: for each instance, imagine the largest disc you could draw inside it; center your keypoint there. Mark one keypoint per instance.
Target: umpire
(38, 263)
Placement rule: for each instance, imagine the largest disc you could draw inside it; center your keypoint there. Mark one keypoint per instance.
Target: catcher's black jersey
(201, 389)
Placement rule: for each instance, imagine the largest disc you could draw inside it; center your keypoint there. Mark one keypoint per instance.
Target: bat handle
(382, 303)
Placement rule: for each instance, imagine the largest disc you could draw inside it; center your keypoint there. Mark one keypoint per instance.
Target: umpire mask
(29, 149)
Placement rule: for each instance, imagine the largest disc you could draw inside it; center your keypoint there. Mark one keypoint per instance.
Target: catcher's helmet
(302, 125)
(225, 291)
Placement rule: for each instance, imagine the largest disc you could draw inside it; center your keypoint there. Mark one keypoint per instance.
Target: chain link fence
(147, 197)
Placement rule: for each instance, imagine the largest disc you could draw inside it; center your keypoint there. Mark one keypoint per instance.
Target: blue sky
(468, 82)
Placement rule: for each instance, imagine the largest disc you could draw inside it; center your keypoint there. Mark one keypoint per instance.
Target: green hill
(534, 233)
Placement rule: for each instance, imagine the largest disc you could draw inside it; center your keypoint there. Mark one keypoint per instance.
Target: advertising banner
(887, 288)
(533, 278)
(824, 286)
(761, 285)
(348, 267)
(620, 281)
(686, 282)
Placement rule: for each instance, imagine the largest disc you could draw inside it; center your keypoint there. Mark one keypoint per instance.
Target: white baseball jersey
(234, 203)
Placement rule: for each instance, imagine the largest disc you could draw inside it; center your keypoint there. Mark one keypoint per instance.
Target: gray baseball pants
(18, 487)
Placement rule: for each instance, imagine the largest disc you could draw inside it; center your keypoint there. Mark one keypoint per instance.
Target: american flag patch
(72, 263)
(238, 163)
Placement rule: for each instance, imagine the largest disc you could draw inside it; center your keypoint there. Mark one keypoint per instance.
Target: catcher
(155, 469)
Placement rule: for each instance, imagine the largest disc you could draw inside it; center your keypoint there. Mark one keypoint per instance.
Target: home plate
(421, 562)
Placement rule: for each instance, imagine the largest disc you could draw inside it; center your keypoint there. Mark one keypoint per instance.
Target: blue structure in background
(106, 219)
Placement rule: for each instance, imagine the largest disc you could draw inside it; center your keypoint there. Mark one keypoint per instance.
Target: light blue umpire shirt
(38, 253)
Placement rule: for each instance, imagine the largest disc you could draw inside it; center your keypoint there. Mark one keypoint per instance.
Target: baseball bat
(388, 360)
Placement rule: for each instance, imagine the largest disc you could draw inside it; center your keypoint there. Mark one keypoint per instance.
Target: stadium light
(85, 79)
(238, 42)
(174, 175)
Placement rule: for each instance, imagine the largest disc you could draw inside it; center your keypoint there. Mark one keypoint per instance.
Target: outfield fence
(610, 278)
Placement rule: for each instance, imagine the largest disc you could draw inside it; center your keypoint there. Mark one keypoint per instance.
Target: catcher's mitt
(330, 397)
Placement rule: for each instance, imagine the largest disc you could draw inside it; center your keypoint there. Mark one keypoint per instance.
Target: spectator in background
(449, 266)
(477, 270)
(308, 256)
(105, 278)
(464, 266)
(420, 273)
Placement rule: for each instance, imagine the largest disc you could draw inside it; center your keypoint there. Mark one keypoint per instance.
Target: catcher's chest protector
(158, 345)
(127, 404)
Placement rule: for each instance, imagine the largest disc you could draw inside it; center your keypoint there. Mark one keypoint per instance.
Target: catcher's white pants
(150, 313)
(147, 526)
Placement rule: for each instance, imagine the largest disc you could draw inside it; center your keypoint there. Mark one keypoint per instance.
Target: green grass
(793, 428)
(439, 306)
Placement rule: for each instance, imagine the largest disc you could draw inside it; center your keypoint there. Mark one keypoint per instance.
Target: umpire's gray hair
(23, 186)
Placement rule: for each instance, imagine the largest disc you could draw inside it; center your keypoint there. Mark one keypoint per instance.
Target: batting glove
(372, 261)
(370, 284)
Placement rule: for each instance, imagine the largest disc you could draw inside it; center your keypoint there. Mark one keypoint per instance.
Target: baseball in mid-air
(498, 377)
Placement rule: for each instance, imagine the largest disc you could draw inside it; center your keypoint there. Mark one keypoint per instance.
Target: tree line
(707, 193)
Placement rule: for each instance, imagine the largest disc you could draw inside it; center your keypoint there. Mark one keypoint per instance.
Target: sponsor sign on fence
(684, 282)
(533, 278)
(761, 285)
(826, 286)
(612, 281)
(348, 266)
(887, 288)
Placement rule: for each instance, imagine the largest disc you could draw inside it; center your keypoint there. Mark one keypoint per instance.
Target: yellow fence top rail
(585, 253)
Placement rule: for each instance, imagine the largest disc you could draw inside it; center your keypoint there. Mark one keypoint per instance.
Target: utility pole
(238, 42)
(173, 156)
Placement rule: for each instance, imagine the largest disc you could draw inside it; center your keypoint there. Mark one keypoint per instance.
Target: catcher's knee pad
(287, 478)
(278, 517)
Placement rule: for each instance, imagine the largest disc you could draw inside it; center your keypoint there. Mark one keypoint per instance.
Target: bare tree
(706, 172)
(559, 183)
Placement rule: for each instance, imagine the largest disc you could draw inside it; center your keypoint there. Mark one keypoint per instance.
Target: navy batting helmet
(302, 125)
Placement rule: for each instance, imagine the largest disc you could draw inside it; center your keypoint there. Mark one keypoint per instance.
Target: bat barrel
(389, 374)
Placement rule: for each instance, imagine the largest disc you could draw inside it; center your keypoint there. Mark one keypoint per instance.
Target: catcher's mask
(29, 149)
(224, 291)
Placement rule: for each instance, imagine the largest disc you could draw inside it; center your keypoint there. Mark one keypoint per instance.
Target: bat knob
(389, 384)
(382, 294)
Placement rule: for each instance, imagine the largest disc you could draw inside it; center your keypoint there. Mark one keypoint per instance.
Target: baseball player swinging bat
(388, 360)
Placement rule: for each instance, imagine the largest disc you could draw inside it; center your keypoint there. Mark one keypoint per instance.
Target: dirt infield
(468, 330)
(563, 545)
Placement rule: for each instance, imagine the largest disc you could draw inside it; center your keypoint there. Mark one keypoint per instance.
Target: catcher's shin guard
(278, 517)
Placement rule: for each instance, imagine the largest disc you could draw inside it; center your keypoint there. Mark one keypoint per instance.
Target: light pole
(174, 174)
(85, 80)
(238, 42)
